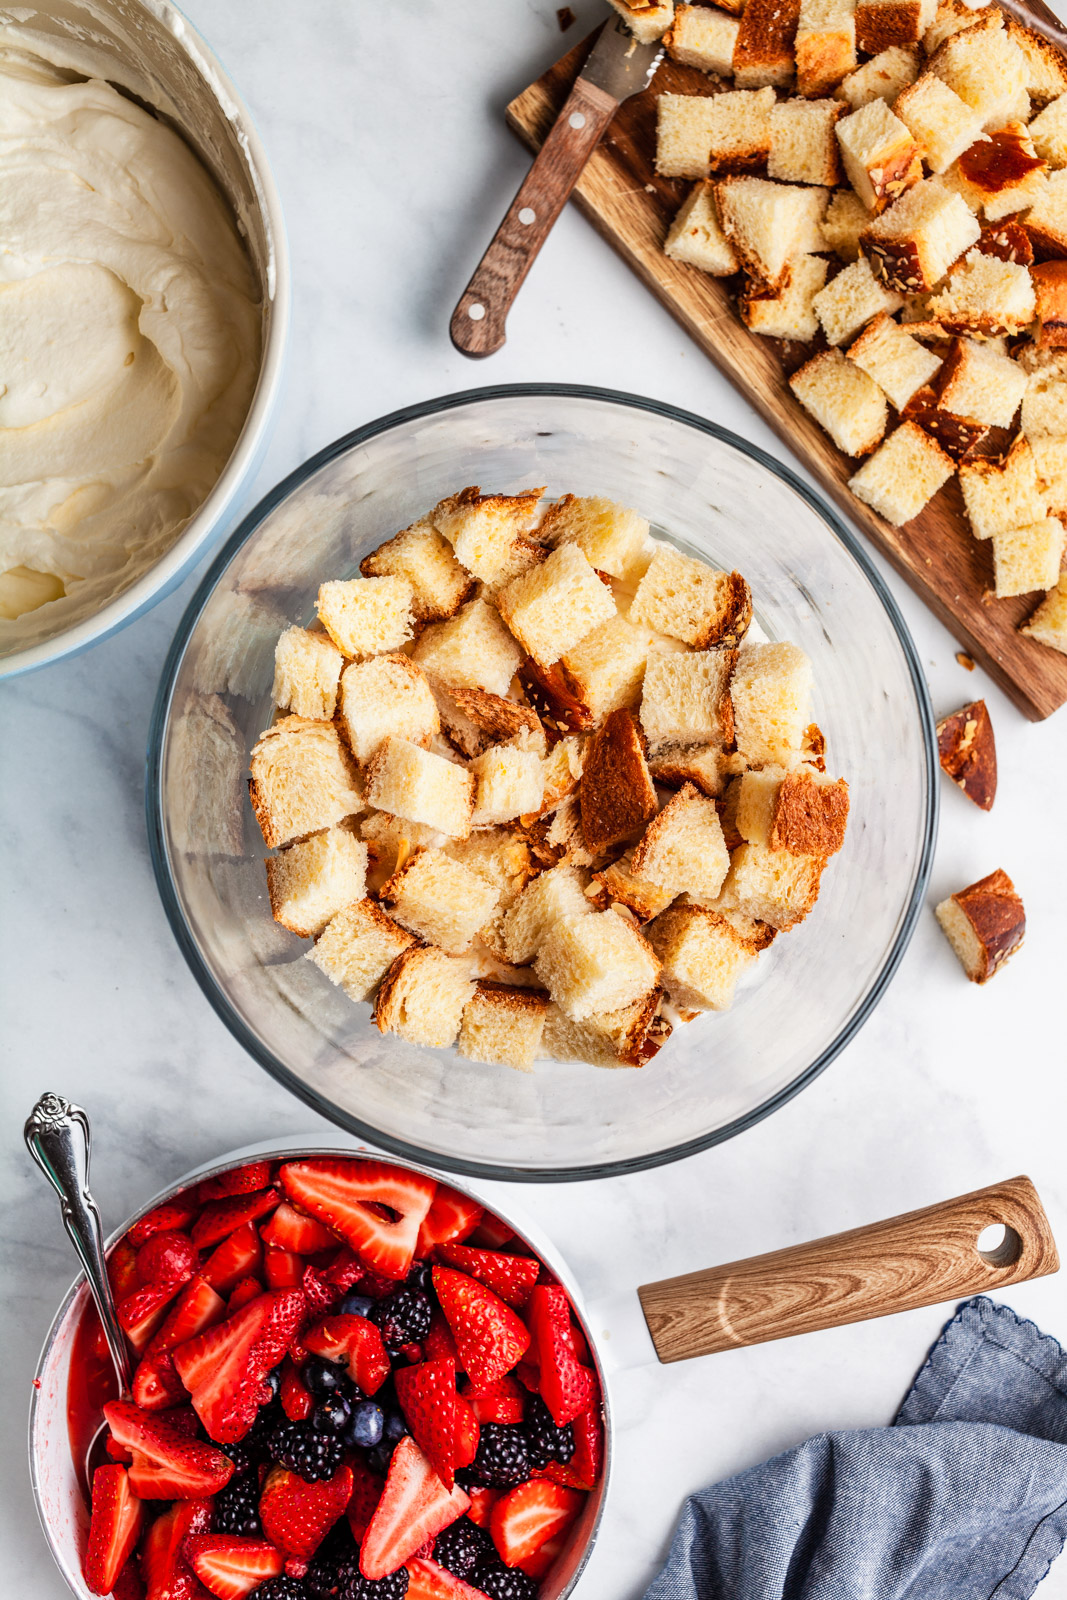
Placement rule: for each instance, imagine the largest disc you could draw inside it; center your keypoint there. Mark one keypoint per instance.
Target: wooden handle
(909, 1261)
(477, 325)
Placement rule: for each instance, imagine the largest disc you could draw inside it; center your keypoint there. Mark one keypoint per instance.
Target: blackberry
(237, 1508)
(544, 1441)
(338, 1550)
(255, 1446)
(504, 1583)
(354, 1586)
(313, 1455)
(281, 1588)
(502, 1460)
(403, 1316)
(461, 1546)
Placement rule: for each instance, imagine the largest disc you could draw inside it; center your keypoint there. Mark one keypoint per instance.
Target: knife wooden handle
(913, 1260)
(477, 326)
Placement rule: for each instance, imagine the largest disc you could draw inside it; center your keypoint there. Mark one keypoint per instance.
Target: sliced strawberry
(143, 1311)
(296, 1399)
(491, 1233)
(166, 1573)
(172, 1215)
(355, 1342)
(242, 1180)
(540, 1564)
(439, 1344)
(224, 1368)
(166, 1464)
(122, 1270)
(220, 1218)
(490, 1337)
(583, 1469)
(118, 1452)
(243, 1291)
(429, 1581)
(230, 1566)
(480, 1509)
(346, 1270)
(414, 1507)
(502, 1401)
(239, 1256)
(366, 1492)
(511, 1277)
(156, 1384)
(129, 1584)
(340, 1194)
(580, 1345)
(115, 1527)
(168, 1257)
(288, 1230)
(198, 1307)
(297, 1516)
(528, 1515)
(567, 1387)
(529, 1376)
(321, 1295)
(427, 1396)
(282, 1268)
(451, 1216)
(465, 1441)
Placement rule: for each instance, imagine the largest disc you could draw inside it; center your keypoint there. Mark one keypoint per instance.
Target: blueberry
(379, 1458)
(366, 1427)
(395, 1427)
(421, 1276)
(330, 1416)
(356, 1305)
(322, 1378)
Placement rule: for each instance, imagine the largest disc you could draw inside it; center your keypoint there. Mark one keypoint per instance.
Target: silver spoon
(59, 1139)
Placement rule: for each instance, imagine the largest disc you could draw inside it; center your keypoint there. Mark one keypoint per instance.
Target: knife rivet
(476, 312)
(576, 119)
(527, 215)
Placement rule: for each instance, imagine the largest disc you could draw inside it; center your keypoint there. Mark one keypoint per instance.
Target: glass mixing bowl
(711, 494)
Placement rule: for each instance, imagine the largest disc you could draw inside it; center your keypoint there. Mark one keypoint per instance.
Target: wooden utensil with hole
(914, 1260)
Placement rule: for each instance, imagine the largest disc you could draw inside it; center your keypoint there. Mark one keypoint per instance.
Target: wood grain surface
(622, 195)
(917, 1259)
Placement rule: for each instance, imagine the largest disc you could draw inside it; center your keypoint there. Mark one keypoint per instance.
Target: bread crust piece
(763, 51)
(985, 924)
(968, 753)
(474, 719)
(884, 23)
(809, 817)
(1050, 287)
(618, 797)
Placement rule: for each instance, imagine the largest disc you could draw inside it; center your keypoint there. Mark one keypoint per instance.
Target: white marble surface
(385, 126)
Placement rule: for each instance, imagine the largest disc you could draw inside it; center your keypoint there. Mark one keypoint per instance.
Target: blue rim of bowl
(161, 865)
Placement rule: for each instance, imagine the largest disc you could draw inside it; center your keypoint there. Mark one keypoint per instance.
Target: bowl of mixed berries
(351, 1381)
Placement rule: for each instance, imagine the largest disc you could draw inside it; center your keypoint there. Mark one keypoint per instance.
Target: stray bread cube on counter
(367, 616)
(503, 1023)
(844, 401)
(610, 537)
(509, 783)
(424, 557)
(825, 45)
(943, 125)
(803, 811)
(472, 650)
(440, 899)
(686, 698)
(883, 77)
(595, 963)
(1048, 625)
(357, 948)
(704, 37)
(789, 311)
(384, 695)
(552, 608)
(967, 752)
(484, 530)
(773, 886)
(897, 363)
(423, 995)
(682, 850)
(850, 300)
(303, 780)
(311, 881)
(912, 245)
(703, 956)
(307, 670)
(1002, 494)
(903, 474)
(880, 156)
(410, 782)
(771, 694)
(985, 924)
(691, 601)
(1028, 558)
(696, 237)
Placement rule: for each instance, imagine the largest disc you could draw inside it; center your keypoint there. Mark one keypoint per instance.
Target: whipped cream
(130, 329)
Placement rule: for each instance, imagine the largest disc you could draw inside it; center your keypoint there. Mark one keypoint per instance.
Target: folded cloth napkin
(963, 1498)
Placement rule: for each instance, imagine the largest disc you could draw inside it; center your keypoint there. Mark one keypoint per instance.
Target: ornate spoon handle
(59, 1139)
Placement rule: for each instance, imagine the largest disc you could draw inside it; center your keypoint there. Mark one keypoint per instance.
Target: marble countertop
(392, 183)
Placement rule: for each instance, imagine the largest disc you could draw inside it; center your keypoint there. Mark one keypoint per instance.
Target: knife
(617, 67)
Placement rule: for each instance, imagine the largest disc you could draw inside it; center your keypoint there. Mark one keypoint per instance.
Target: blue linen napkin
(963, 1498)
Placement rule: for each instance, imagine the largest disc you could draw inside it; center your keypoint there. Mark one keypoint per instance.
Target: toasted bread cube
(423, 995)
(559, 892)
(366, 616)
(845, 219)
(883, 77)
(647, 20)
(903, 474)
(610, 536)
(803, 143)
(562, 769)
(763, 54)
(627, 1037)
(357, 948)
(509, 783)
(607, 669)
(703, 956)
(707, 766)
(881, 24)
(307, 670)
(1002, 494)
(485, 531)
(619, 885)
(912, 245)
(425, 558)
(696, 237)
(1002, 173)
(1046, 221)
(788, 312)
(312, 881)
(740, 129)
(843, 400)
(686, 698)
(967, 752)
(987, 69)
(804, 811)
(953, 16)
(683, 135)
(691, 601)
(1044, 413)
(773, 886)
(501, 856)
(414, 783)
(1050, 299)
(704, 37)
(472, 650)
(617, 794)
(765, 222)
(1028, 558)
(825, 44)
(474, 719)
(1050, 460)
(303, 780)
(503, 1023)
(850, 300)
(1048, 625)
(1046, 68)
(1049, 133)
(979, 381)
(441, 900)
(898, 363)
(985, 924)
(682, 850)
(943, 125)
(812, 208)
(881, 158)
(771, 694)
(384, 695)
(551, 609)
(595, 962)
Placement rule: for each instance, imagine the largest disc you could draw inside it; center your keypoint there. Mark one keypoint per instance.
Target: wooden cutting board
(632, 207)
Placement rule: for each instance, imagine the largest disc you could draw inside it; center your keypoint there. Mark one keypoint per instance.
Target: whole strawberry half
(289, 1230)
(225, 1367)
(239, 1256)
(296, 1515)
(114, 1529)
(490, 1337)
(232, 1567)
(242, 1180)
(167, 1465)
(166, 1573)
(511, 1277)
(376, 1208)
(168, 1257)
(219, 1218)
(427, 1396)
(156, 1383)
(414, 1506)
(528, 1515)
(567, 1388)
(429, 1581)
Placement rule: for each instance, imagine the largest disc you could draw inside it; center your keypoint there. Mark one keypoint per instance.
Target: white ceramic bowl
(150, 50)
